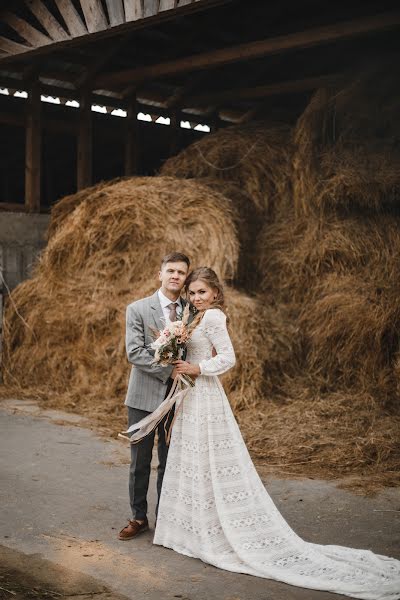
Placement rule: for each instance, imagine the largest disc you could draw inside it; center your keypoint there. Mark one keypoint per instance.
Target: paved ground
(64, 498)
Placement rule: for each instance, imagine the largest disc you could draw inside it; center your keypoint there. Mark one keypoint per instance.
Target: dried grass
(126, 227)
(339, 435)
(71, 350)
(347, 146)
(64, 328)
(255, 157)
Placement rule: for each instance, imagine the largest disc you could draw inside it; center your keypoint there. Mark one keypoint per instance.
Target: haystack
(340, 277)
(347, 144)
(126, 227)
(250, 165)
(66, 205)
(64, 328)
(255, 157)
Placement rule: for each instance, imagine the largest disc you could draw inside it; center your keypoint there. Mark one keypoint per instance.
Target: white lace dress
(214, 506)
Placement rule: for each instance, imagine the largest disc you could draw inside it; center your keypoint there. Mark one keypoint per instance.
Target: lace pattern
(214, 506)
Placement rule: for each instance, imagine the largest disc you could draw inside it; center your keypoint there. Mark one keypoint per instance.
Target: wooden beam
(131, 140)
(115, 12)
(33, 150)
(98, 36)
(12, 47)
(12, 207)
(25, 30)
(150, 8)
(175, 132)
(262, 91)
(71, 17)
(50, 23)
(94, 15)
(166, 5)
(101, 61)
(133, 9)
(177, 98)
(85, 141)
(252, 50)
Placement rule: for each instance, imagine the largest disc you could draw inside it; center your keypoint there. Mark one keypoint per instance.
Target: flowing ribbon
(145, 426)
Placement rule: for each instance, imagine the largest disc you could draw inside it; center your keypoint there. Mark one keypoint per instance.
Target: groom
(149, 384)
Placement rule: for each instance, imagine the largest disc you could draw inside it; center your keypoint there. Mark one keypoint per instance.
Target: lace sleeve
(214, 324)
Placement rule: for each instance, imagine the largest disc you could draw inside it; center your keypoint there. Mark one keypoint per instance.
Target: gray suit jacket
(147, 382)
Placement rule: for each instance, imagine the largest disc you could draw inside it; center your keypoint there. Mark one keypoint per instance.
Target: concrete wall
(22, 237)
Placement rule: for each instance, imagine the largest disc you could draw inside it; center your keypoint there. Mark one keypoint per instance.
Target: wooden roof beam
(101, 62)
(95, 17)
(115, 12)
(252, 50)
(46, 19)
(30, 34)
(71, 17)
(262, 91)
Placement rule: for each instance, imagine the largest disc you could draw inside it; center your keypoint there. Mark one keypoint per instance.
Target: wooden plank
(12, 47)
(33, 149)
(262, 91)
(25, 30)
(50, 23)
(133, 10)
(175, 132)
(115, 12)
(108, 33)
(12, 206)
(166, 5)
(252, 50)
(85, 141)
(100, 62)
(131, 139)
(94, 15)
(71, 17)
(150, 8)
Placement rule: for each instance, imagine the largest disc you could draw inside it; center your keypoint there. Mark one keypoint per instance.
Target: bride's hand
(185, 368)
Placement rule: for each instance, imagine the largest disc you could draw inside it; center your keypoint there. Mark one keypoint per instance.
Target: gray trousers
(139, 471)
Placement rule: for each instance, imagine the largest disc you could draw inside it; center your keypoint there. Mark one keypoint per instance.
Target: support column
(132, 138)
(85, 140)
(33, 149)
(175, 128)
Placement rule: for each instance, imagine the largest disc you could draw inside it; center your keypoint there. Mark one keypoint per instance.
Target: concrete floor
(64, 498)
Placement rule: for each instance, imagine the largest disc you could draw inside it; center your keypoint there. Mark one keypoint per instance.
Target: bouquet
(171, 342)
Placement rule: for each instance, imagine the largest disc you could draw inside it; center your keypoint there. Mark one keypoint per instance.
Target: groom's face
(173, 276)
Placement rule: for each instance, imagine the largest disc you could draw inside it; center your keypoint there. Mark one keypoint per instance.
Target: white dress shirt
(164, 301)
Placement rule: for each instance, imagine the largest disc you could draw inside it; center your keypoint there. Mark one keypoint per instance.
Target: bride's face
(201, 295)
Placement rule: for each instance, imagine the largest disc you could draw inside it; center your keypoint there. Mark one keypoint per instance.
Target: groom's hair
(175, 257)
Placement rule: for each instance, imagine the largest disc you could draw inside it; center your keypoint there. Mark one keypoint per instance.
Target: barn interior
(205, 64)
(272, 130)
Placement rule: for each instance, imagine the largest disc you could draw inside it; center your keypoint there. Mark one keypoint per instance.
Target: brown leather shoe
(133, 529)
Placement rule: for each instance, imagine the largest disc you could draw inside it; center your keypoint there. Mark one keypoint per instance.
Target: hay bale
(126, 227)
(71, 349)
(337, 281)
(65, 206)
(294, 254)
(255, 157)
(347, 144)
(327, 436)
(64, 328)
(352, 330)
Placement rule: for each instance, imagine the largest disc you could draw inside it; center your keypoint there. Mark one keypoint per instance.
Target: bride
(213, 504)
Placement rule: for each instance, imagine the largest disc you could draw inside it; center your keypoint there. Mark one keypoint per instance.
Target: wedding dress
(215, 507)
